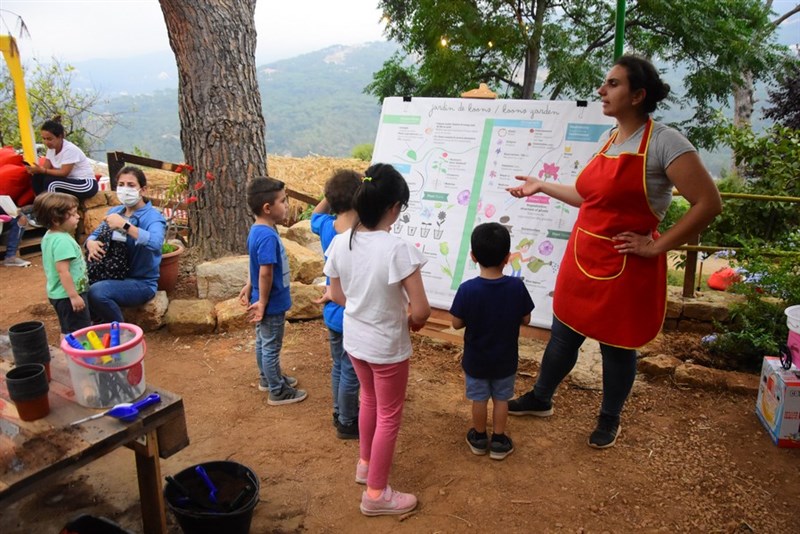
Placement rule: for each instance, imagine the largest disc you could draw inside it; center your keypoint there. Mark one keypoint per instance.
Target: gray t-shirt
(666, 144)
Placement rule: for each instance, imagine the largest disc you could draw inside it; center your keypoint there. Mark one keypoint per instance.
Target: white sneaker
(16, 261)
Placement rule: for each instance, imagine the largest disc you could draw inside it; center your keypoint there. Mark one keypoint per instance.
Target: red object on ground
(723, 278)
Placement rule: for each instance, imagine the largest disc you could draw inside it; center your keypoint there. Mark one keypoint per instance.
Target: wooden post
(148, 471)
(690, 269)
(114, 165)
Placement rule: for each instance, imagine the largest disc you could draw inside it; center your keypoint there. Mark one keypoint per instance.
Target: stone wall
(699, 313)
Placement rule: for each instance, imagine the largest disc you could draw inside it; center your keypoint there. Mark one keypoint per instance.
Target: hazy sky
(76, 30)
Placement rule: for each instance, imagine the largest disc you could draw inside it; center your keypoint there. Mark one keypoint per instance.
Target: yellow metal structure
(11, 54)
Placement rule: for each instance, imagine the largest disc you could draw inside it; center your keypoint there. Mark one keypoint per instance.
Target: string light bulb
(491, 44)
(443, 41)
(385, 20)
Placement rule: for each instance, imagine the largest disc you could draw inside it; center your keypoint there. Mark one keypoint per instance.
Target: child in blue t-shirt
(492, 307)
(333, 215)
(267, 293)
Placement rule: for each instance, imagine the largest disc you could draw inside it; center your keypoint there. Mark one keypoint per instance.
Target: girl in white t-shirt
(375, 276)
(66, 168)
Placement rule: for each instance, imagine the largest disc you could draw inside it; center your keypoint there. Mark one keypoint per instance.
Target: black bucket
(188, 497)
(29, 343)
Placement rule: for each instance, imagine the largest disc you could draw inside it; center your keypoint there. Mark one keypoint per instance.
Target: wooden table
(34, 454)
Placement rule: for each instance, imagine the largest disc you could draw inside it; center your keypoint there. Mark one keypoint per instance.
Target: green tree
(785, 99)
(363, 151)
(51, 92)
(767, 164)
(451, 45)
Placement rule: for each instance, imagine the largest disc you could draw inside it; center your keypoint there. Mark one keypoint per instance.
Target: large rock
(223, 278)
(742, 383)
(659, 365)
(303, 305)
(150, 315)
(300, 232)
(93, 217)
(304, 264)
(96, 201)
(698, 376)
(231, 315)
(190, 317)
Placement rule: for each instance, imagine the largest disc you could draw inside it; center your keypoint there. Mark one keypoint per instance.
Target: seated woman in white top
(66, 168)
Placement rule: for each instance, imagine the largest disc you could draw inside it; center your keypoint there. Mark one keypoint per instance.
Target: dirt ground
(687, 460)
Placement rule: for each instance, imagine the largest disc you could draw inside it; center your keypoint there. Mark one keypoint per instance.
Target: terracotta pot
(170, 268)
(28, 388)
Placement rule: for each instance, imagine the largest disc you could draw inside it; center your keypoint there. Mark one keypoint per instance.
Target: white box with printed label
(778, 403)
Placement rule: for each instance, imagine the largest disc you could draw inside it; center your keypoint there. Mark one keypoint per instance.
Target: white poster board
(459, 155)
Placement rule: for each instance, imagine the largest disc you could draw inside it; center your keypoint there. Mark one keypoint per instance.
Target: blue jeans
(106, 297)
(269, 341)
(344, 382)
(15, 232)
(560, 356)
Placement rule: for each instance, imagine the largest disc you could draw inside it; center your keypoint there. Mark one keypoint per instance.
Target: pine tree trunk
(222, 128)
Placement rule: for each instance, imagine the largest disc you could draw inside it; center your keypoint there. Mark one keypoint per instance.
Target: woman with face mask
(66, 168)
(142, 227)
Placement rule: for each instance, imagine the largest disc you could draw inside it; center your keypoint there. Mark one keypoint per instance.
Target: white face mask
(129, 196)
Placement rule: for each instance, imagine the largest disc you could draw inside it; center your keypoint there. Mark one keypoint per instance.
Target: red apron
(617, 299)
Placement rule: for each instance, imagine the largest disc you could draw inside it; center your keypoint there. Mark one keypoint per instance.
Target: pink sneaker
(362, 471)
(390, 502)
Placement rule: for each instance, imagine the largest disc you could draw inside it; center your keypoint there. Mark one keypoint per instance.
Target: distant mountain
(128, 76)
(313, 103)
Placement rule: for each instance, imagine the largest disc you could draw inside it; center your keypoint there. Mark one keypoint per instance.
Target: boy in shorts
(492, 307)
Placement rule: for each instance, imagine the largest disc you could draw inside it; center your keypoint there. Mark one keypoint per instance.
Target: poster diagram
(459, 156)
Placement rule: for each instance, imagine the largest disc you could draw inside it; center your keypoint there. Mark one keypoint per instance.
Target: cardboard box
(778, 403)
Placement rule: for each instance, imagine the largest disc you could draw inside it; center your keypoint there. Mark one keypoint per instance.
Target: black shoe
(478, 442)
(335, 419)
(347, 431)
(606, 433)
(500, 447)
(528, 404)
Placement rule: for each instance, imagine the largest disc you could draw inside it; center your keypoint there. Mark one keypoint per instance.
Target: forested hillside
(313, 104)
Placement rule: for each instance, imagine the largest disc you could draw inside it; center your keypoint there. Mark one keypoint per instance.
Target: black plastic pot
(29, 343)
(237, 496)
(27, 387)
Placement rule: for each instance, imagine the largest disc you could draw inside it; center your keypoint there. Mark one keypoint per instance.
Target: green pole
(619, 36)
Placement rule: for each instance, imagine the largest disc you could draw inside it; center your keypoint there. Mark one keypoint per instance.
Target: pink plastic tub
(105, 377)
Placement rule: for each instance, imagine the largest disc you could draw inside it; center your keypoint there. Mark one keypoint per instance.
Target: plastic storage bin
(104, 377)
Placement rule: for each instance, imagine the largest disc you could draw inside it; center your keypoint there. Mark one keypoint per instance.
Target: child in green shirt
(64, 266)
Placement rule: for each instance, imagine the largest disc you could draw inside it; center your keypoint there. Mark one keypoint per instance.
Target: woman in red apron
(611, 285)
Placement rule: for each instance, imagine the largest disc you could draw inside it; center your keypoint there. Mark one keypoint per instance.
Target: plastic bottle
(72, 342)
(94, 341)
(114, 331)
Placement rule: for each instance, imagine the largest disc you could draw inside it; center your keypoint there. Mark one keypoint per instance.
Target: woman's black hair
(136, 171)
(643, 75)
(382, 188)
(53, 126)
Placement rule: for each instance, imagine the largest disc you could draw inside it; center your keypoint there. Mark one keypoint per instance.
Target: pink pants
(383, 393)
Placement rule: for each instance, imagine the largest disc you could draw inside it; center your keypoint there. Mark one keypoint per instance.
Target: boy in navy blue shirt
(491, 307)
(267, 294)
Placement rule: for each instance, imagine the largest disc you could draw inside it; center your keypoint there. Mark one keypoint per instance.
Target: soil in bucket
(29, 344)
(237, 495)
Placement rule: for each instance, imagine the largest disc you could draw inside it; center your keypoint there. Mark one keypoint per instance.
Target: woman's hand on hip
(531, 186)
(640, 244)
(96, 250)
